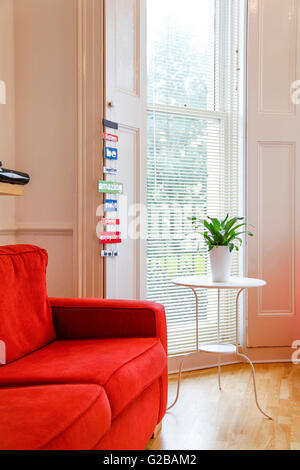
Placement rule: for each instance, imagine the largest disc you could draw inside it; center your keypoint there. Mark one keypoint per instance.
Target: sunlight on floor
(205, 418)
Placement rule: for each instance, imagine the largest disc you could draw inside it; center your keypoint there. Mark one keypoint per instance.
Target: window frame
(221, 115)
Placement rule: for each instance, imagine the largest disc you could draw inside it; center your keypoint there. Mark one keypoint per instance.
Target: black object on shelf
(13, 177)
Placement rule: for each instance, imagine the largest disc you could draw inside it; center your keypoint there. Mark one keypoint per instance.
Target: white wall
(7, 124)
(40, 44)
(45, 131)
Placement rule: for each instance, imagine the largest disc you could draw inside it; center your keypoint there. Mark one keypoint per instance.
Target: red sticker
(111, 137)
(111, 221)
(110, 237)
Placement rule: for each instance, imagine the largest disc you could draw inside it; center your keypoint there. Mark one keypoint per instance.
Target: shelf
(218, 348)
(11, 190)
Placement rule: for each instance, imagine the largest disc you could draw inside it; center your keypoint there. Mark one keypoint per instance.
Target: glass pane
(186, 176)
(181, 53)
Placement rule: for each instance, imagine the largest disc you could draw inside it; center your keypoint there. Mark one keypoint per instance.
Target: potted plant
(222, 237)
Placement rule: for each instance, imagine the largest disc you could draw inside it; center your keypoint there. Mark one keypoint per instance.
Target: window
(192, 157)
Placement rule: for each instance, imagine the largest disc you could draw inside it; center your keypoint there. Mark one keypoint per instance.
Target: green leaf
(220, 233)
(216, 223)
(209, 227)
(231, 223)
(225, 220)
(208, 239)
(236, 227)
(235, 236)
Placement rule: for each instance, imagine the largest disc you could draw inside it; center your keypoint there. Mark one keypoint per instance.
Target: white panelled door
(126, 104)
(274, 172)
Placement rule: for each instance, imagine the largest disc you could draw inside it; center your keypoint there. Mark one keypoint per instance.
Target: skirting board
(203, 361)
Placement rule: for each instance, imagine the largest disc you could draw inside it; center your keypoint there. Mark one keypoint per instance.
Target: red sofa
(79, 374)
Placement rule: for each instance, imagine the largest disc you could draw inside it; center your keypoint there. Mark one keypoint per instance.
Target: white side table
(235, 283)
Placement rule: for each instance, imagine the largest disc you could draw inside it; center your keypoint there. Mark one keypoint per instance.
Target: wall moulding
(57, 230)
(277, 169)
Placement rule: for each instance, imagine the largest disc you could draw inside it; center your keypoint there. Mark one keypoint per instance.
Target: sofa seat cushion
(53, 417)
(26, 317)
(124, 367)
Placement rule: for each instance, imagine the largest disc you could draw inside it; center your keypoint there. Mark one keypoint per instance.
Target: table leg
(254, 384)
(179, 382)
(189, 355)
(246, 357)
(197, 319)
(219, 338)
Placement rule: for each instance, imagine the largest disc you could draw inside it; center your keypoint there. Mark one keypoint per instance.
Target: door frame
(88, 264)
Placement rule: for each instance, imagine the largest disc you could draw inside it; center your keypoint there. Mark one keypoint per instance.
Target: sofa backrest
(25, 314)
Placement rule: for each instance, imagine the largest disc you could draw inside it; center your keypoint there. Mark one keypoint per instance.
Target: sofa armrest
(93, 319)
(96, 319)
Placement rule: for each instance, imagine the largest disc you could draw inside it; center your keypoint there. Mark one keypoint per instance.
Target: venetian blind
(192, 156)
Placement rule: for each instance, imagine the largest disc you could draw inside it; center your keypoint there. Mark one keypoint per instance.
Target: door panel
(277, 34)
(126, 104)
(273, 170)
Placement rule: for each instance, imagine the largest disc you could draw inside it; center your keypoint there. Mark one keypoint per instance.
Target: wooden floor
(205, 418)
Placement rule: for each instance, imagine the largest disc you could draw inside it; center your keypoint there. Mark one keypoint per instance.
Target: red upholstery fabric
(91, 318)
(133, 428)
(64, 417)
(125, 367)
(94, 319)
(26, 319)
(102, 384)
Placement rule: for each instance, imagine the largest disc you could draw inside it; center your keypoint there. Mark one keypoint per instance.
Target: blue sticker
(111, 153)
(110, 205)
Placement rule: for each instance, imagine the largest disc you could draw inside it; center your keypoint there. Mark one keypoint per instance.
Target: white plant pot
(220, 262)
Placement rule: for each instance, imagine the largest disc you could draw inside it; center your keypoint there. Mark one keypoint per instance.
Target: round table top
(206, 282)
